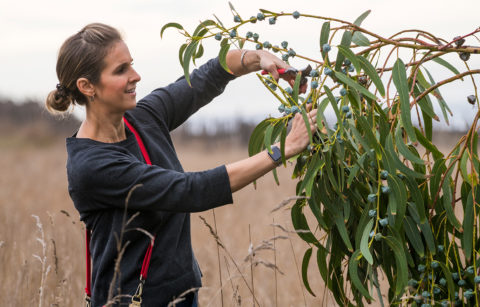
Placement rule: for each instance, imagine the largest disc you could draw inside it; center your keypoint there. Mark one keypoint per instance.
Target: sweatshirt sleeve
(105, 179)
(176, 102)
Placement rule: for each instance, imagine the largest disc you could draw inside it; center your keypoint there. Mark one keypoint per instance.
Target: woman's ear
(86, 87)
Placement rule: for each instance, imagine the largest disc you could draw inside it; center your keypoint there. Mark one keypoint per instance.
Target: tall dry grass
(33, 183)
(45, 265)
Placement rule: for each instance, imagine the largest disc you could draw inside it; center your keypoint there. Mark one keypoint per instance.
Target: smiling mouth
(131, 91)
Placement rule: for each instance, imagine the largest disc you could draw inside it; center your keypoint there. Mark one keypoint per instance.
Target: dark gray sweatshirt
(100, 176)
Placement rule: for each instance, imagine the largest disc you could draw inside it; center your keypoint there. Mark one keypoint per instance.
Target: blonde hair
(81, 56)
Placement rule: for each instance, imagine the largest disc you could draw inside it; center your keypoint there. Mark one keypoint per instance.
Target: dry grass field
(42, 261)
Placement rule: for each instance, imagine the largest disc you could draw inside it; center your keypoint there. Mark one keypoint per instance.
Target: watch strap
(275, 155)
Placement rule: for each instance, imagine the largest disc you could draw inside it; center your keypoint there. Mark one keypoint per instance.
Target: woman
(105, 163)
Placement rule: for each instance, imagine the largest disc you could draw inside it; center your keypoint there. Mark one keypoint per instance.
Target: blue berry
(328, 71)
(421, 268)
(384, 174)
(295, 110)
(281, 108)
(385, 189)
(465, 56)
(275, 48)
(284, 44)
(468, 294)
(412, 283)
(372, 213)
(233, 33)
(344, 71)
(435, 265)
(236, 18)
(351, 68)
(462, 283)
(314, 73)
(470, 270)
(349, 114)
(383, 222)
(426, 305)
(285, 57)
(471, 99)
(378, 237)
(425, 294)
(345, 109)
(288, 110)
(218, 36)
(255, 36)
(258, 46)
(272, 20)
(440, 248)
(443, 281)
(249, 34)
(253, 19)
(418, 299)
(314, 84)
(347, 62)
(476, 279)
(326, 48)
(343, 92)
(291, 53)
(445, 304)
(296, 14)
(260, 16)
(371, 198)
(273, 87)
(401, 176)
(289, 90)
(372, 233)
(267, 45)
(455, 276)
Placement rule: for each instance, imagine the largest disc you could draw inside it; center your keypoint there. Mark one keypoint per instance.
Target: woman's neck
(106, 128)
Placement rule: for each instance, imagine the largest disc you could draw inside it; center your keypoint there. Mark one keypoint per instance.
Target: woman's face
(116, 89)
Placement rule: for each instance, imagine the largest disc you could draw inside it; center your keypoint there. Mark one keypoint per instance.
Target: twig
(218, 257)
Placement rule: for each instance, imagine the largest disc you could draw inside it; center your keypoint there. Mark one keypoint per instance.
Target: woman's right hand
(297, 140)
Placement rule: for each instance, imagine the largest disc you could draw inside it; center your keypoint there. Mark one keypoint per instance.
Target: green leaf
(447, 204)
(222, 56)
(361, 18)
(322, 254)
(307, 123)
(401, 262)
(372, 73)
(403, 149)
(170, 25)
(198, 54)
(413, 235)
(346, 41)
(353, 272)
(447, 65)
(372, 140)
(392, 156)
(314, 165)
(256, 138)
(468, 230)
(448, 276)
(416, 197)
(300, 223)
(180, 53)
(324, 35)
(364, 242)
(342, 230)
(399, 75)
(306, 260)
(441, 101)
(346, 80)
(189, 51)
(428, 145)
(360, 39)
(268, 138)
(351, 56)
(463, 165)
(202, 29)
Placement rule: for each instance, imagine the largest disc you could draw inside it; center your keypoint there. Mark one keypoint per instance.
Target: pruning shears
(293, 73)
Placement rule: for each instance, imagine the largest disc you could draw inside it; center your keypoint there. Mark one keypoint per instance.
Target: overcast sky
(31, 33)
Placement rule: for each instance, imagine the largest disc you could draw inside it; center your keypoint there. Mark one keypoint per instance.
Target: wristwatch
(275, 155)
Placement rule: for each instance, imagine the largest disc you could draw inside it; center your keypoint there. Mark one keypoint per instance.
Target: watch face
(276, 155)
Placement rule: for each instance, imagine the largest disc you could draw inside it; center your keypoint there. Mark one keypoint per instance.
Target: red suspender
(88, 234)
